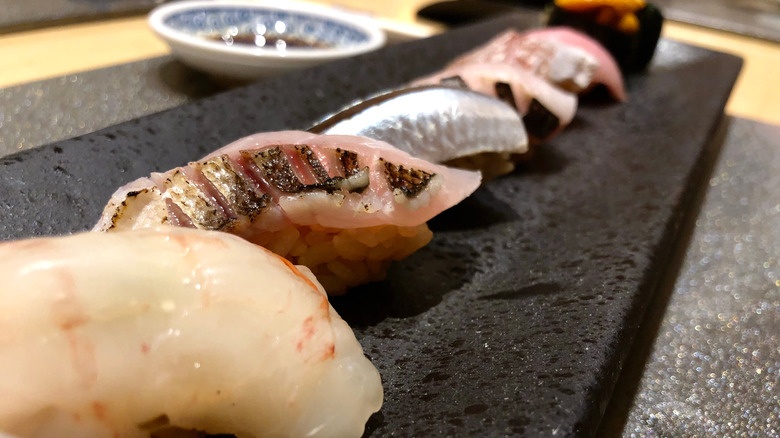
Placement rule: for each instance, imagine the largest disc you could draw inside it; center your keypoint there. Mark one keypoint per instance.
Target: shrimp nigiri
(133, 333)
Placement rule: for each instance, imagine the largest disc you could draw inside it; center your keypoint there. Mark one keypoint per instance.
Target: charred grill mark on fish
(504, 94)
(349, 162)
(236, 191)
(409, 181)
(120, 209)
(279, 173)
(202, 212)
(540, 122)
(454, 82)
(308, 157)
(276, 169)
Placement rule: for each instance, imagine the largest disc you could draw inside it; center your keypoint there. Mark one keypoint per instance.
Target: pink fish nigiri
(344, 206)
(607, 73)
(562, 56)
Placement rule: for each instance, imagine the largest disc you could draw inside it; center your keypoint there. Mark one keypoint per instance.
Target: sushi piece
(628, 29)
(607, 73)
(147, 332)
(545, 108)
(564, 57)
(447, 125)
(344, 206)
(567, 67)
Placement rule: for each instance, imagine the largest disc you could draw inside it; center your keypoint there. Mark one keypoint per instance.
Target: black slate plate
(516, 318)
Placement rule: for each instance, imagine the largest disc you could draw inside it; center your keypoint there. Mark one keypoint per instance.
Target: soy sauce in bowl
(277, 41)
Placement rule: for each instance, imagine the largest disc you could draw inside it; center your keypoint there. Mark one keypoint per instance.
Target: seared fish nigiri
(568, 67)
(447, 125)
(137, 333)
(344, 206)
(564, 57)
(607, 73)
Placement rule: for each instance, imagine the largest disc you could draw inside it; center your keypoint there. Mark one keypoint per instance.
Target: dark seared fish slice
(409, 181)
(275, 169)
(504, 94)
(308, 157)
(349, 162)
(540, 121)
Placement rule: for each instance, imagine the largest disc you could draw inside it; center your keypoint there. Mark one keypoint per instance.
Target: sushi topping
(586, 5)
(276, 169)
(234, 189)
(618, 14)
(454, 81)
(504, 94)
(203, 212)
(349, 162)
(355, 183)
(344, 206)
(539, 121)
(307, 156)
(409, 181)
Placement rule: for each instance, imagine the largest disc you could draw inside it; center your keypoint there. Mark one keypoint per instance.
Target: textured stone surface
(60, 108)
(516, 318)
(715, 367)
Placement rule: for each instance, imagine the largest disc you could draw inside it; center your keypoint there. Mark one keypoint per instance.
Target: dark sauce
(269, 41)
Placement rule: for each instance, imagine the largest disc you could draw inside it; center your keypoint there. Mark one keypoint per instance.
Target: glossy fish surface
(270, 180)
(344, 206)
(436, 123)
(545, 108)
(565, 66)
(126, 334)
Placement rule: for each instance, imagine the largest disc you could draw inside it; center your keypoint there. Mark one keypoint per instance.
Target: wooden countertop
(50, 52)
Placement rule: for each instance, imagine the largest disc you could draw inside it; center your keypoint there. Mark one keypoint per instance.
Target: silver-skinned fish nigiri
(546, 109)
(440, 124)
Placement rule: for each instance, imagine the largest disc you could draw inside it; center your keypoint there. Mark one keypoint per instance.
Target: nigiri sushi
(562, 56)
(135, 333)
(607, 73)
(567, 67)
(447, 125)
(344, 206)
(546, 109)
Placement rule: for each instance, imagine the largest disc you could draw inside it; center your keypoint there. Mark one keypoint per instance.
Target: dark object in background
(457, 12)
(632, 51)
(17, 16)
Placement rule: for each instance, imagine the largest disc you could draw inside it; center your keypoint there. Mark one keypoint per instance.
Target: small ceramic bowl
(254, 39)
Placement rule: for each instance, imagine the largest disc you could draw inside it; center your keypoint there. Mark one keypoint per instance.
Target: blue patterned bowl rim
(190, 22)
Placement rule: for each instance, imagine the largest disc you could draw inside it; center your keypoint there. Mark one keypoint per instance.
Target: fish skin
(439, 124)
(608, 73)
(324, 205)
(525, 86)
(561, 55)
(568, 67)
